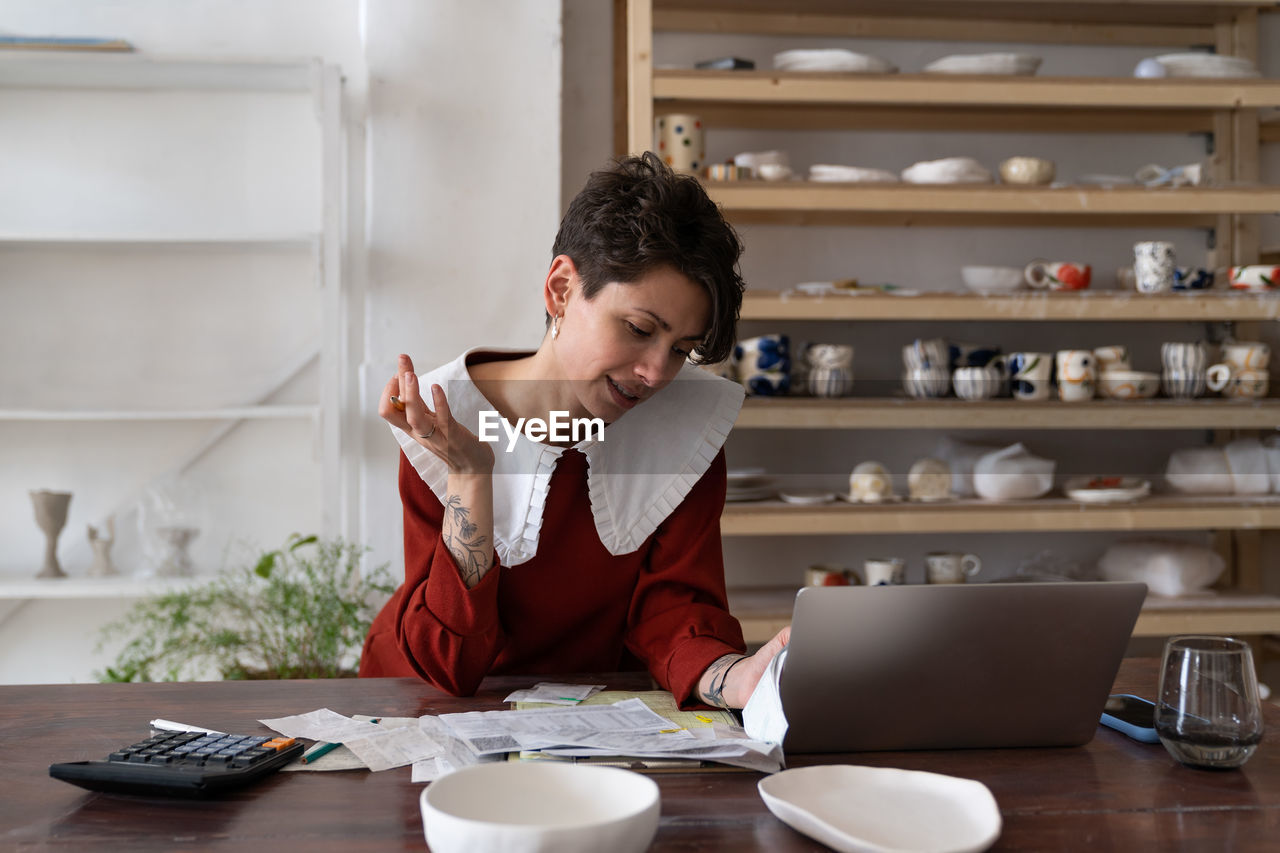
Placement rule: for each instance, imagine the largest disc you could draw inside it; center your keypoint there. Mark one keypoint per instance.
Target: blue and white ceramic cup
(1179, 357)
(933, 382)
(1030, 374)
(1192, 278)
(932, 354)
(764, 365)
(1183, 383)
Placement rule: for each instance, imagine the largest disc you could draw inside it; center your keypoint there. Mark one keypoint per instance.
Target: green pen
(324, 748)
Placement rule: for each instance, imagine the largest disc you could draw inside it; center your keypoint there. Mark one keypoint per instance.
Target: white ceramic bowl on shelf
(948, 170)
(992, 280)
(831, 59)
(1206, 65)
(540, 807)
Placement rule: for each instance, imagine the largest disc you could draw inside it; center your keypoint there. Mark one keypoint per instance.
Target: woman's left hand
(745, 674)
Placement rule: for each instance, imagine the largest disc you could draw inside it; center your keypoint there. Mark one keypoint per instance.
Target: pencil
(324, 748)
(318, 750)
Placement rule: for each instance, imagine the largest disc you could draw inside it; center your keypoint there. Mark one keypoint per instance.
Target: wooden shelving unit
(950, 413)
(1235, 113)
(763, 611)
(1088, 305)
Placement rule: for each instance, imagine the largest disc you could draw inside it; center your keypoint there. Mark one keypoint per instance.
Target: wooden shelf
(774, 518)
(806, 202)
(1090, 305)
(904, 413)
(91, 588)
(769, 89)
(763, 611)
(232, 413)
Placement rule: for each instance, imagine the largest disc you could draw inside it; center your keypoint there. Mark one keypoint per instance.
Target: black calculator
(182, 764)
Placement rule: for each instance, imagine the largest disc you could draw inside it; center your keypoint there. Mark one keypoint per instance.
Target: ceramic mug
(1111, 358)
(1183, 384)
(1030, 373)
(1256, 278)
(1246, 355)
(971, 355)
(1077, 372)
(1192, 278)
(926, 354)
(829, 381)
(1184, 357)
(1153, 266)
(922, 384)
(828, 574)
(764, 364)
(977, 383)
(680, 142)
(884, 571)
(1237, 383)
(1057, 275)
(950, 567)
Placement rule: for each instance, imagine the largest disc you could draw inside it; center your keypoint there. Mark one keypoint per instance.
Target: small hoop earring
(555, 327)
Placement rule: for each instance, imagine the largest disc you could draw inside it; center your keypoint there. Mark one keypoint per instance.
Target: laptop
(953, 666)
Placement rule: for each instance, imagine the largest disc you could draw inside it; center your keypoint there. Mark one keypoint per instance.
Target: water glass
(1207, 711)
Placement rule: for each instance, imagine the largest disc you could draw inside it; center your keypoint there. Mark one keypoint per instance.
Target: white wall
(456, 194)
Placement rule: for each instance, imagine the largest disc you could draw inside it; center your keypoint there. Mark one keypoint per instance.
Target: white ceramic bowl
(1128, 384)
(992, 279)
(531, 807)
(831, 59)
(1027, 170)
(1206, 65)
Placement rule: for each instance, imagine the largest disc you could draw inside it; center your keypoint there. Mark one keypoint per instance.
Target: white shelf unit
(329, 418)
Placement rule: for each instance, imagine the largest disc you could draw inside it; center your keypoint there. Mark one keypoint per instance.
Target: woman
(547, 553)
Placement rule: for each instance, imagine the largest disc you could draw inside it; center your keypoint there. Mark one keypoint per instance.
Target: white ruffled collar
(636, 476)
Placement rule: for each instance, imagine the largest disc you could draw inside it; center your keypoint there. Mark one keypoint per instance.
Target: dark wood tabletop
(1111, 794)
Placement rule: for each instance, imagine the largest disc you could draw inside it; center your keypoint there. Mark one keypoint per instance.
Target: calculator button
(279, 743)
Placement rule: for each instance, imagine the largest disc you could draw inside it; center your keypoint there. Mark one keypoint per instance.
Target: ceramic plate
(736, 474)
(831, 59)
(1106, 490)
(1022, 64)
(857, 809)
(749, 493)
(851, 174)
(1206, 65)
(807, 496)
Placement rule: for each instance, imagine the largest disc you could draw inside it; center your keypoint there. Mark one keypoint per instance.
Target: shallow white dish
(851, 174)
(988, 280)
(528, 807)
(1206, 65)
(831, 59)
(736, 474)
(807, 497)
(1106, 490)
(1022, 64)
(749, 493)
(948, 170)
(857, 809)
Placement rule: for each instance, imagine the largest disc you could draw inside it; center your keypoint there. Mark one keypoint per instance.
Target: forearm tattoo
(461, 537)
(718, 674)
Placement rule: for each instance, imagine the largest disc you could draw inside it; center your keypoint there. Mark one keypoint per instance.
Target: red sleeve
(448, 634)
(679, 620)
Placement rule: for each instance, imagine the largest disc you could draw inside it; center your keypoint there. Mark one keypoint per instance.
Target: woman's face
(629, 341)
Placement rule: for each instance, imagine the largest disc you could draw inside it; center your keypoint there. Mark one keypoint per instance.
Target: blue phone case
(1145, 734)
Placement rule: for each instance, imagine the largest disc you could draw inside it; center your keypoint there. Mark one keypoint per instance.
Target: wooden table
(1112, 794)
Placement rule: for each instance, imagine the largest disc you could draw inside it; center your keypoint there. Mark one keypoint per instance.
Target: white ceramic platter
(857, 809)
(851, 174)
(1021, 64)
(748, 493)
(807, 497)
(1096, 490)
(1206, 65)
(831, 59)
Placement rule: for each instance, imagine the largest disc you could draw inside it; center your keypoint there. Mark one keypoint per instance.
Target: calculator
(182, 764)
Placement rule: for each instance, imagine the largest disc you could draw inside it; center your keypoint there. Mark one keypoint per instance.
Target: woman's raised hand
(402, 406)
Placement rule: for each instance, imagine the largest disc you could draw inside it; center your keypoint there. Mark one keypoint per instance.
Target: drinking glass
(1207, 710)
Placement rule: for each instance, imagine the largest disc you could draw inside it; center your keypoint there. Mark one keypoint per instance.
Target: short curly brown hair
(637, 215)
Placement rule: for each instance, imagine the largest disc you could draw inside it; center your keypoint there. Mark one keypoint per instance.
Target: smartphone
(1132, 715)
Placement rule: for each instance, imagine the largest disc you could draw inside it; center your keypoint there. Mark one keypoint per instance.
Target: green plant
(301, 611)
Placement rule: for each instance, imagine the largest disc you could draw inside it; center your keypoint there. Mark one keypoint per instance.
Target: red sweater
(573, 607)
